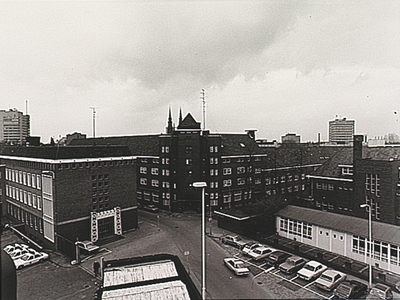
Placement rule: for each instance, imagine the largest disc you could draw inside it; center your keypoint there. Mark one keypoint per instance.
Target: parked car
(350, 289)
(260, 252)
(311, 270)
(87, 246)
(151, 208)
(250, 246)
(276, 258)
(380, 291)
(30, 259)
(12, 247)
(234, 240)
(330, 279)
(236, 265)
(292, 264)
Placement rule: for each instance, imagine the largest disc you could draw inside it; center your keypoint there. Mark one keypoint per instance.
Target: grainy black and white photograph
(172, 149)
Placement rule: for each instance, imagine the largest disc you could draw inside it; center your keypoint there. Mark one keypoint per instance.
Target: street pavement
(177, 234)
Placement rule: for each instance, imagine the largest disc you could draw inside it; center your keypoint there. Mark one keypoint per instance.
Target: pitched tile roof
(189, 123)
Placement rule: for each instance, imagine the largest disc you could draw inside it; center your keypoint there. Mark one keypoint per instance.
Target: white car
(330, 279)
(87, 245)
(311, 270)
(236, 265)
(30, 259)
(250, 246)
(12, 247)
(260, 252)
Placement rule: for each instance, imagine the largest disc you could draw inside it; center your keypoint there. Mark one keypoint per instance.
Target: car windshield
(310, 268)
(343, 290)
(291, 262)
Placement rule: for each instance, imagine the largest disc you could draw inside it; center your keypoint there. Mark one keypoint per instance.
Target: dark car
(350, 289)
(380, 291)
(292, 264)
(276, 258)
(151, 208)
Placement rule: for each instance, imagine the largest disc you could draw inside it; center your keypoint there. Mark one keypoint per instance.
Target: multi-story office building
(341, 131)
(57, 195)
(236, 168)
(14, 127)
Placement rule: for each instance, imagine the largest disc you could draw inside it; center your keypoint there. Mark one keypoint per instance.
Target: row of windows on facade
(100, 207)
(21, 177)
(240, 159)
(96, 164)
(237, 196)
(241, 170)
(329, 206)
(372, 183)
(286, 190)
(380, 250)
(22, 215)
(214, 197)
(25, 197)
(156, 183)
(153, 197)
(156, 161)
(154, 171)
(375, 208)
(299, 228)
(284, 178)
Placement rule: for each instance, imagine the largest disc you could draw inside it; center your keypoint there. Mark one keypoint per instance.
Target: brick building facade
(62, 194)
(235, 167)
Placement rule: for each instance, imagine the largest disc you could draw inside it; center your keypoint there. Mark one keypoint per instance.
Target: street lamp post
(369, 241)
(203, 186)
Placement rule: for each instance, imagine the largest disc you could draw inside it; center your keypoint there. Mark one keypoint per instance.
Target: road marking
(297, 276)
(307, 285)
(299, 285)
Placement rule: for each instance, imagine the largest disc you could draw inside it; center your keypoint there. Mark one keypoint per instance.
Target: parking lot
(263, 272)
(290, 281)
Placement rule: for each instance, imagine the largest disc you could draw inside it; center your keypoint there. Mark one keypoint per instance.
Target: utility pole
(203, 100)
(94, 120)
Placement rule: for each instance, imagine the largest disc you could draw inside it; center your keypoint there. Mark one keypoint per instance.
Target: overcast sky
(275, 66)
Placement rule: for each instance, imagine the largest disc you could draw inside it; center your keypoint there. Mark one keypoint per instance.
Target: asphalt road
(183, 236)
(178, 235)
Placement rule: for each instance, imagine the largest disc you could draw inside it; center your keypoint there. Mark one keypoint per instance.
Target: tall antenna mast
(203, 100)
(94, 120)
(26, 107)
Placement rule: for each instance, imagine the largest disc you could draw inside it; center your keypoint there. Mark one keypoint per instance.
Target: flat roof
(348, 224)
(166, 290)
(151, 277)
(138, 273)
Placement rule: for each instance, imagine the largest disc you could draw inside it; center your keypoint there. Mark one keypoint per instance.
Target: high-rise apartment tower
(14, 127)
(341, 131)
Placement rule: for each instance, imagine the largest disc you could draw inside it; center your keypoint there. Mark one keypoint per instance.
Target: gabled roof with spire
(189, 123)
